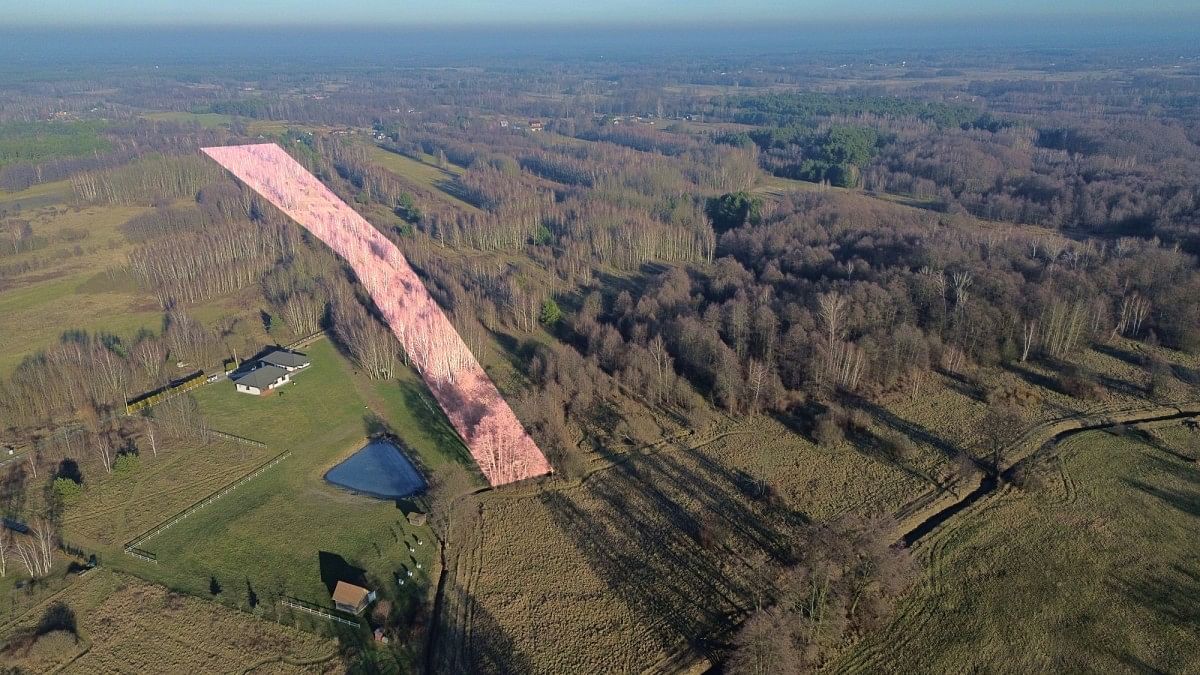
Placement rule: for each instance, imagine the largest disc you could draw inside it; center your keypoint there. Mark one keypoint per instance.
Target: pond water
(379, 469)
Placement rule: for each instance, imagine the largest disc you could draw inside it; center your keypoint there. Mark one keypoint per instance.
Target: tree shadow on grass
(430, 418)
(1184, 500)
(335, 568)
(679, 543)
(915, 432)
(961, 384)
(468, 639)
(1173, 593)
(1119, 353)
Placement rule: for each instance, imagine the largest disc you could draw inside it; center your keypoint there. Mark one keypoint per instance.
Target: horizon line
(1165, 19)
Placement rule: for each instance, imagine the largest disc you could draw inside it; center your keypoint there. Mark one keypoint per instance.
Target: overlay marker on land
(499, 444)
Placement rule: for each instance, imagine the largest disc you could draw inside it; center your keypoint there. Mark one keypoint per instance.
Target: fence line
(297, 603)
(235, 438)
(132, 546)
(155, 397)
(305, 341)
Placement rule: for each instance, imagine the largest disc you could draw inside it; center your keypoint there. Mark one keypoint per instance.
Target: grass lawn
(1093, 571)
(286, 531)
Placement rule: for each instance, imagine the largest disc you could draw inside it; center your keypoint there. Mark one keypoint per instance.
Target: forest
(634, 254)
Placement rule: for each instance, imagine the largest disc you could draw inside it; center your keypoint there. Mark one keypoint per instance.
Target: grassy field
(425, 173)
(206, 120)
(115, 509)
(285, 531)
(69, 285)
(76, 280)
(127, 625)
(38, 195)
(1093, 571)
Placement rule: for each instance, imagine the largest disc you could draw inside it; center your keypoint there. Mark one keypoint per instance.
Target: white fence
(296, 604)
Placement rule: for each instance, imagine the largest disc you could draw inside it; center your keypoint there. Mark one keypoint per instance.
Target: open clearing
(423, 173)
(1092, 571)
(206, 120)
(128, 625)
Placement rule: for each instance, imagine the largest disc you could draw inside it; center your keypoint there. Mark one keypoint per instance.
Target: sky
(84, 13)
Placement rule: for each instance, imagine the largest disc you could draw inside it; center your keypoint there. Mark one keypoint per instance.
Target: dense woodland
(708, 249)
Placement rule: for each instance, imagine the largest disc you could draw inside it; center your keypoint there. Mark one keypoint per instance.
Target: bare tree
(962, 281)
(765, 646)
(832, 310)
(36, 550)
(5, 544)
(1028, 338)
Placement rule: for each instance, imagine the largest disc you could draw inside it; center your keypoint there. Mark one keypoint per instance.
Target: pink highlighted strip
(503, 450)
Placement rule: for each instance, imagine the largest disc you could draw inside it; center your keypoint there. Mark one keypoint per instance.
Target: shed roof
(286, 359)
(261, 378)
(349, 594)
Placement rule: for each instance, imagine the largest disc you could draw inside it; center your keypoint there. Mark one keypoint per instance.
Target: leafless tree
(1028, 338)
(5, 545)
(36, 549)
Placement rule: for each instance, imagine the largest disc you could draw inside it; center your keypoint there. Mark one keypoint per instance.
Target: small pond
(379, 469)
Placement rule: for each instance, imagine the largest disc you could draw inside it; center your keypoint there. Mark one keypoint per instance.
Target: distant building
(351, 598)
(261, 380)
(536, 126)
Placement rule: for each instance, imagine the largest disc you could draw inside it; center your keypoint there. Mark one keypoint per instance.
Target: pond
(379, 469)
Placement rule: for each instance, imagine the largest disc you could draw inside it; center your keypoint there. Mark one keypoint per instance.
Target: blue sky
(451, 12)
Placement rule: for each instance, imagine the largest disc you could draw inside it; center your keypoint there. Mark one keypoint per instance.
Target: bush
(1075, 382)
(57, 616)
(551, 313)
(125, 464)
(828, 430)
(67, 490)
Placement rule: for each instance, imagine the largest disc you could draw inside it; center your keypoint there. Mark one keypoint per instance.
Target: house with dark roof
(289, 361)
(272, 370)
(261, 380)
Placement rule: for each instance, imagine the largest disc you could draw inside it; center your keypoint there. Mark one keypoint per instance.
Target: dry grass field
(609, 573)
(127, 625)
(659, 551)
(1093, 569)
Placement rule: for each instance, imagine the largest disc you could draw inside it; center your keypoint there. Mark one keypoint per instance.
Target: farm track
(1041, 440)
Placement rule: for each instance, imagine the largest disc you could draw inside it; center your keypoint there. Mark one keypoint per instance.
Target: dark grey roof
(262, 377)
(280, 357)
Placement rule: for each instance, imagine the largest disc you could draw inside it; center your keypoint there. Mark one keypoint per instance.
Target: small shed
(418, 518)
(350, 598)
